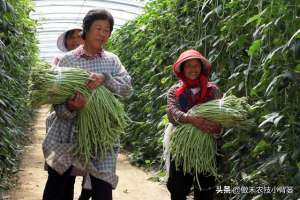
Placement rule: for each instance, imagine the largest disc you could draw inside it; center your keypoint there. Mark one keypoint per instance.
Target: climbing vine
(254, 49)
(18, 53)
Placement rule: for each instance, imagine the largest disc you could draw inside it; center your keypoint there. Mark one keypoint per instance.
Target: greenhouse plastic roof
(55, 16)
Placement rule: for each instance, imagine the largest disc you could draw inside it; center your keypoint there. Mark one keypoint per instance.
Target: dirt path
(133, 183)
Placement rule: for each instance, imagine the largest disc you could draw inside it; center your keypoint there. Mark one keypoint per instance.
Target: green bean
(196, 151)
(99, 123)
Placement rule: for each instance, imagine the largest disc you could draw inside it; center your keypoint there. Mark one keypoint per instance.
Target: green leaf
(164, 80)
(296, 35)
(276, 121)
(252, 19)
(271, 162)
(2, 102)
(244, 175)
(271, 86)
(161, 173)
(208, 15)
(297, 68)
(165, 120)
(254, 48)
(257, 197)
(255, 17)
(282, 158)
(269, 118)
(274, 52)
(253, 174)
(260, 147)
(234, 75)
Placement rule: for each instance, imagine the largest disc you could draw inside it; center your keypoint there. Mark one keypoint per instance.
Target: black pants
(85, 194)
(179, 185)
(101, 190)
(61, 187)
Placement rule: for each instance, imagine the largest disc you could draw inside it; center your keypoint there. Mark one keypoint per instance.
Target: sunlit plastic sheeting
(75, 14)
(53, 7)
(120, 3)
(58, 26)
(55, 16)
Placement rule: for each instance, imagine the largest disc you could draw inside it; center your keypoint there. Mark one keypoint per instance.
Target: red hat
(191, 54)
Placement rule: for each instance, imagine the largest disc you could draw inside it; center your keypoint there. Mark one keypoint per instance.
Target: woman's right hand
(76, 102)
(203, 124)
(96, 79)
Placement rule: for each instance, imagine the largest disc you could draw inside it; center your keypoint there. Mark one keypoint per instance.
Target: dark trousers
(101, 190)
(179, 185)
(61, 187)
(85, 194)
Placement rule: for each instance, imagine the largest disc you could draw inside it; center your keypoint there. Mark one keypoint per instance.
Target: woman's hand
(96, 79)
(203, 124)
(76, 102)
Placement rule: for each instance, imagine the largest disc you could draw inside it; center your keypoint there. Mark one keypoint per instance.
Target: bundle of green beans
(229, 111)
(55, 86)
(99, 123)
(196, 151)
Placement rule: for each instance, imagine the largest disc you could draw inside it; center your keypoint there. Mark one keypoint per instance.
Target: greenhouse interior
(149, 99)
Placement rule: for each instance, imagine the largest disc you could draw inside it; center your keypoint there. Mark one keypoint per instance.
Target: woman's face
(74, 40)
(192, 69)
(98, 34)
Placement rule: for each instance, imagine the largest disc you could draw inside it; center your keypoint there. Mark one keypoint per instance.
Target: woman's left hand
(96, 79)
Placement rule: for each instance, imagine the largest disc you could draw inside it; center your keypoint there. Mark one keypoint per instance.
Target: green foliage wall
(254, 49)
(18, 53)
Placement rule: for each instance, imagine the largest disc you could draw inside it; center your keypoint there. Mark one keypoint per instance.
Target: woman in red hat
(193, 88)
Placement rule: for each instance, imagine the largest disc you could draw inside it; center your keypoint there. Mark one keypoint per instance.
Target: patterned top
(59, 142)
(175, 114)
